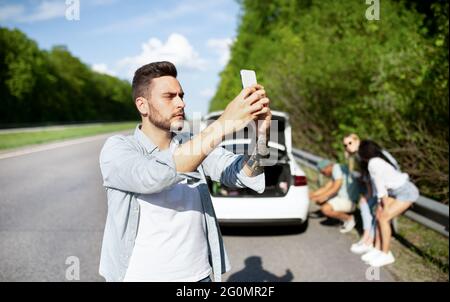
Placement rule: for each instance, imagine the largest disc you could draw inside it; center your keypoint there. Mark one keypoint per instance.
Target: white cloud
(208, 92)
(102, 68)
(46, 10)
(176, 49)
(222, 48)
(11, 12)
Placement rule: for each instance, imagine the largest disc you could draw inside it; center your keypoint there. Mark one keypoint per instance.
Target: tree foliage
(39, 86)
(336, 72)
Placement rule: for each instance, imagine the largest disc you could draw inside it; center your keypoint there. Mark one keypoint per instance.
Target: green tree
(335, 72)
(53, 86)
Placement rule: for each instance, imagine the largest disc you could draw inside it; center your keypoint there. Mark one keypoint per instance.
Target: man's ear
(330, 169)
(142, 105)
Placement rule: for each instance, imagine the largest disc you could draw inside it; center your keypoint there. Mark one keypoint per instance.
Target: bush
(335, 72)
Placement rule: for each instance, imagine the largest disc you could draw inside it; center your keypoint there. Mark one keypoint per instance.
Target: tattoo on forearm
(253, 163)
(261, 146)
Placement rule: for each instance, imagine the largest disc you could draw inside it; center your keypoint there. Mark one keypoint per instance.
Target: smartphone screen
(248, 78)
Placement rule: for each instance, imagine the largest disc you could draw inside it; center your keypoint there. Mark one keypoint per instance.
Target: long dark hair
(367, 150)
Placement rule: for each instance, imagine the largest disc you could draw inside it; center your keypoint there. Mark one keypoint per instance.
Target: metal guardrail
(425, 211)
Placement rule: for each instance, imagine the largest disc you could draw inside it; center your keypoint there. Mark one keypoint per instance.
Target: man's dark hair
(145, 74)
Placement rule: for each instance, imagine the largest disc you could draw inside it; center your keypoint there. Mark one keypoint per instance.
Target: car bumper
(261, 222)
(290, 209)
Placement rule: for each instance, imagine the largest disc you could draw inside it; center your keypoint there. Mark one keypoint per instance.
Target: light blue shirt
(349, 188)
(133, 165)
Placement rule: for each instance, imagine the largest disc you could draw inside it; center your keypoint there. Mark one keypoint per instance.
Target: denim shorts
(407, 192)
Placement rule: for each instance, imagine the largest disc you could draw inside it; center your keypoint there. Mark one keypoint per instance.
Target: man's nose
(179, 102)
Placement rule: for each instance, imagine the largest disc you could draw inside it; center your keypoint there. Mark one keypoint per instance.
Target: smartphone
(248, 78)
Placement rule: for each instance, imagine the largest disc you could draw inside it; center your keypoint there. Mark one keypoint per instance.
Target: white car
(285, 200)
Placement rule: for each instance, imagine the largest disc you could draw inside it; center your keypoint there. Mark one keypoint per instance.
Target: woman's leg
(367, 220)
(372, 203)
(377, 228)
(392, 209)
(377, 236)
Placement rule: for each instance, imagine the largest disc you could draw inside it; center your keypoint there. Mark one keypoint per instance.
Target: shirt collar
(148, 143)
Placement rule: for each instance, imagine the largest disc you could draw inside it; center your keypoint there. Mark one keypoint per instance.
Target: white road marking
(51, 146)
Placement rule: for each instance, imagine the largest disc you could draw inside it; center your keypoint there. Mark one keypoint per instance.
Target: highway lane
(52, 206)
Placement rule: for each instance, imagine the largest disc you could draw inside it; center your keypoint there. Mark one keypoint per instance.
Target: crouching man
(161, 224)
(338, 196)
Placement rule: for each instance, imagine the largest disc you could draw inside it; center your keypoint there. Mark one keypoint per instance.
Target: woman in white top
(368, 200)
(395, 195)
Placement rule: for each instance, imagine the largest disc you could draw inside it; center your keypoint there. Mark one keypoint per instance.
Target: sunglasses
(349, 144)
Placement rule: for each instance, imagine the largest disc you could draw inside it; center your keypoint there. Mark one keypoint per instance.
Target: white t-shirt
(391, 159)
(171, 243)
(385, 176)
(349, 188)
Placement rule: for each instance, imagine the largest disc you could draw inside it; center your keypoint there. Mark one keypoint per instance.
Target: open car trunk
(277, 169)
(278, 180)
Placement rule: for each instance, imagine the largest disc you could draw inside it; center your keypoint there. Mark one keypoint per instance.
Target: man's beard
(159, 121)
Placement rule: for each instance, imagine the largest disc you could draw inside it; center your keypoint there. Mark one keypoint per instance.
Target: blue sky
(117, 36)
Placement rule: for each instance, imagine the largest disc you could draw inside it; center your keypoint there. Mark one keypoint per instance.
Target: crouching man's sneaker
(348, 225)
(382, 259)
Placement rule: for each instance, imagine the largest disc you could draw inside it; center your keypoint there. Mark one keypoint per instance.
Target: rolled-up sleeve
(225, 167)
(126, 169)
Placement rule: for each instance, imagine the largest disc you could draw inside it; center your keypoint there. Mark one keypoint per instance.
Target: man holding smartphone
(161, 224)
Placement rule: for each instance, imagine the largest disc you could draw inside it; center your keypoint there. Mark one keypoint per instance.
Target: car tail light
(300, 181)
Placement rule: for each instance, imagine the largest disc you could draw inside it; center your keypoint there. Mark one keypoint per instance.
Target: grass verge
(21, 139)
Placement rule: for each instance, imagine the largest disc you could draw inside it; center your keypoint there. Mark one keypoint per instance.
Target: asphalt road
(53, 206)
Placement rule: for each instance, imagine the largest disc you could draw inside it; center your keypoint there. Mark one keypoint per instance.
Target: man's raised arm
(247, 106)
